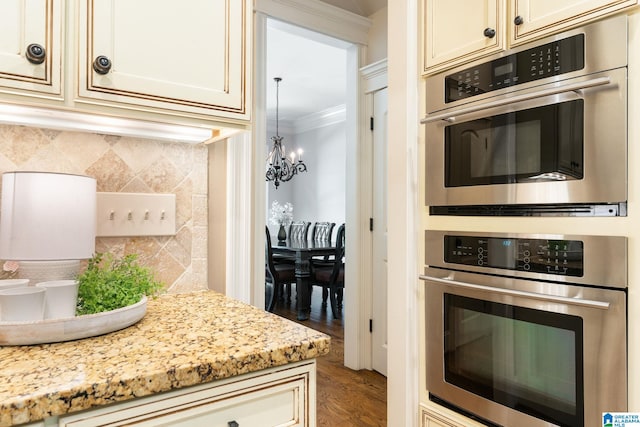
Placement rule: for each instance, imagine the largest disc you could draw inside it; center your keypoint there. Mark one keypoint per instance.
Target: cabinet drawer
(255, 402)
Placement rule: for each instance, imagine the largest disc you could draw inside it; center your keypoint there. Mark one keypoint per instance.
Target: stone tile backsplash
(130, 165)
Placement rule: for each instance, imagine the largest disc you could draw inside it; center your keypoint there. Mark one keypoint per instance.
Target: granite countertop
(183, 340)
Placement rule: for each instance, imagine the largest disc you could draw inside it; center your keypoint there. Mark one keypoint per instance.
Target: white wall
(377, 43)
(403, 233)
(320, 193)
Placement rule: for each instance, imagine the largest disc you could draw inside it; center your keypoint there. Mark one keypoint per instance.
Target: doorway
(308, 112)
(357, 310)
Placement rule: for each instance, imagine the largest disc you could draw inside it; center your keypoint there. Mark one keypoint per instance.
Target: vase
(282, 234)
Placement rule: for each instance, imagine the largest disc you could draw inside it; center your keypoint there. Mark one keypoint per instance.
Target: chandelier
(279, 167)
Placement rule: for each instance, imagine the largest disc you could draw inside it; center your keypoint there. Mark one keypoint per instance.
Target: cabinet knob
(35, 53)
(233, 424)
(489, 32)
(102, 65)
(518, 20)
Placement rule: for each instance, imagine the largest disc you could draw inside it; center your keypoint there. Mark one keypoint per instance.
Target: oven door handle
(600, 81)
(553, 298)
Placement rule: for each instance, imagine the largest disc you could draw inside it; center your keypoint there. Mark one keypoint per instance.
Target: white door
(379, 238)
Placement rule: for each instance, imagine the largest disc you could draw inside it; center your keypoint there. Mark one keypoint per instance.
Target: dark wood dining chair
(299, 230)
(276, 275)
(331, 277)
(322, 231)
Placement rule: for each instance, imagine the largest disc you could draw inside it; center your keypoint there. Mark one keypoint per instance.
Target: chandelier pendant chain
(279, 167)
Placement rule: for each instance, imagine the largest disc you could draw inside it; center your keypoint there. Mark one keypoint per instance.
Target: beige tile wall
(132, 165)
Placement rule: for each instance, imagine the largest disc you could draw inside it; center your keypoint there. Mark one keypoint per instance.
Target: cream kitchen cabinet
(30, 47)
(276, 397)
(455, 32)
(187, 58)
(431, 418)
(533, 19)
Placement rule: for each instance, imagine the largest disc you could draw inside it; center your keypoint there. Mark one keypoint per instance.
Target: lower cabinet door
(431, 417)
(260, 402)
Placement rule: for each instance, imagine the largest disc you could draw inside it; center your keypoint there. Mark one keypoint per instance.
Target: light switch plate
(136, 214)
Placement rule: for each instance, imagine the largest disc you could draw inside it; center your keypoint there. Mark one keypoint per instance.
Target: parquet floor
(345, 397)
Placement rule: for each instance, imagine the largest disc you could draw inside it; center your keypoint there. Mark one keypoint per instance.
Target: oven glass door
(533, 145)
(526, 359)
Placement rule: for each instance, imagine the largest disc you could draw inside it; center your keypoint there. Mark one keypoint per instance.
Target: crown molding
(317, 120)
(374, 76)
(327, 117)
(318, 16)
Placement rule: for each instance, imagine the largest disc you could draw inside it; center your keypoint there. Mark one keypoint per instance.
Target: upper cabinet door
(537, 18)
(30, 54)
(460, 31)
(187, 56)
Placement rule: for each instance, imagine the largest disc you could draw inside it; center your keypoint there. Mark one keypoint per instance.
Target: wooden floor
(345, 397)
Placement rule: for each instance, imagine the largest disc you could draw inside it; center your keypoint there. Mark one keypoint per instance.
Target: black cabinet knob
(233, 424)
(102, 65)
(35, 53)
(489, 33)
(518, 20)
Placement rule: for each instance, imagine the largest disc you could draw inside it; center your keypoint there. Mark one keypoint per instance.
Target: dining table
(301, 252)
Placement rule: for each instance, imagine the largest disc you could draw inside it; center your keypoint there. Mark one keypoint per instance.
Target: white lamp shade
(47, 216)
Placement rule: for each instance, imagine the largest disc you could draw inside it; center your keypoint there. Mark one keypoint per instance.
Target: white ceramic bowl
(60, 299)
(22, 304)
(13, 283)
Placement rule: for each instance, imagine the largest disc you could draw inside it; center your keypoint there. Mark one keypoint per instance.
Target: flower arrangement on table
(281, 215)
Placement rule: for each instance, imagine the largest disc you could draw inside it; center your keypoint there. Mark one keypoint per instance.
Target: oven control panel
(551, 59)
(560, 257)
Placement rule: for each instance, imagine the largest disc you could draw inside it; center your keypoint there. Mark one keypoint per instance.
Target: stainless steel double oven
(529, 329)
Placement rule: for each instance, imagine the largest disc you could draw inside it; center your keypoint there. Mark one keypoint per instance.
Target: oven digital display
(558, 257)
(502, 253)
(503, 69)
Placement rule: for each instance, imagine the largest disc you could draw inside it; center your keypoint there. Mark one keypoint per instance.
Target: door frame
(352, 28)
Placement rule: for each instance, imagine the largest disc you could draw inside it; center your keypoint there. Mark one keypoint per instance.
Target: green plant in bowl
(109, 283)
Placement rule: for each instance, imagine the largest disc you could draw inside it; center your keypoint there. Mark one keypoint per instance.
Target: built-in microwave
(537, 130)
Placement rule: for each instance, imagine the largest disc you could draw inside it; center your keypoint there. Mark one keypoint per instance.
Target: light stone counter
(183, 340)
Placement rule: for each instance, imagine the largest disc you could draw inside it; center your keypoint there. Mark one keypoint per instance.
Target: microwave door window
(539, 144)
(490, 152)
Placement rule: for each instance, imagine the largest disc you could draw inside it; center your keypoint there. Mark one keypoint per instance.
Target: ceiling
(359, 7)
(312, 66)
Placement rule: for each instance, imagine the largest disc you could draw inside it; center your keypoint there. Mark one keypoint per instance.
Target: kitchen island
(193, 355)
